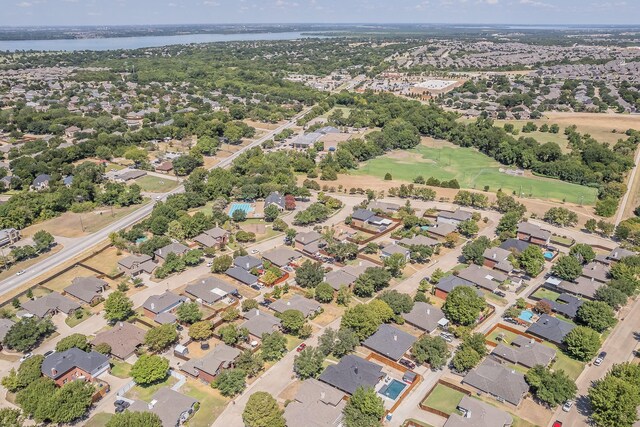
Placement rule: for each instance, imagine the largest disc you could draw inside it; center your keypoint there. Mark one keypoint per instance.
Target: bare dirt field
(106, 261)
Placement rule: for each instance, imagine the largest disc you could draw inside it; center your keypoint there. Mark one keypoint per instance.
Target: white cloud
(24, 4)
(536, 3)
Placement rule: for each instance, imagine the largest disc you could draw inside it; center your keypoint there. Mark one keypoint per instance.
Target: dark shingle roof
(550, 328)
(491, 377)
(57, 364)
(390, 342)
(352, 372)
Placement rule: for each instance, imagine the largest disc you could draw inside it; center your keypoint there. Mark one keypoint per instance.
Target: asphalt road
(88, 242)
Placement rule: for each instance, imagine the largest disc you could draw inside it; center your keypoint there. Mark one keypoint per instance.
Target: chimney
(355, 369)
(121, 324)
(428, 311)
(54, 372)
(153, 306)
(322, 394)
(247, 266)
(395, 337)
(493, 256)
(288, 302)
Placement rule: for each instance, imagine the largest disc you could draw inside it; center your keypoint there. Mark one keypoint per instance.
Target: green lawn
(444, 399)
(472, 169)
(145, 393)
(154, 184)
(292, 342)
(120, 369)
(72, 321)
(564, 241)
(98, 420)
(545, 293)
(495, 299)
(508, 336)
(211, 403)
(570, 366)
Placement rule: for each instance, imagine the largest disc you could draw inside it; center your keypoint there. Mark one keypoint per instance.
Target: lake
(140, 42)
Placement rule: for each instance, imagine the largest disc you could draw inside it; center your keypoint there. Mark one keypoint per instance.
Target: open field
(155, 184)
(472, 169)
(444, 399)
(105, 261)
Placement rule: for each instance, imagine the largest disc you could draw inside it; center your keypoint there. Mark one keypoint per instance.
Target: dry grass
(331, 312)
(105, 261)
(59, 283)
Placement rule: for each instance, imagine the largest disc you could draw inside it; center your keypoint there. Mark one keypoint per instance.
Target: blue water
(526, 315)
(141, 239)
(424, 227)
(393, 389)
(246, 207)
(140, 42)
(548, 255)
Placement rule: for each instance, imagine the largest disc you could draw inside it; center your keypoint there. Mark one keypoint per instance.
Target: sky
(132, 12)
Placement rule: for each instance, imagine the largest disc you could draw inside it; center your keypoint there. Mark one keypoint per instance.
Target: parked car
(49, 353)
(557, 424)
(567, 405)
(204, 346)
(511, 320)
(256, 287)
(122, 403)
(25, 357)
(301, 347)
(254, 251)
(407, 363)
(600, 358)
(500, 293)
(265, 303)
(446, 336)
(209, 264)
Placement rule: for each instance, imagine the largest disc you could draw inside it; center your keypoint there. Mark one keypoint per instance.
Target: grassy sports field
(472, 169)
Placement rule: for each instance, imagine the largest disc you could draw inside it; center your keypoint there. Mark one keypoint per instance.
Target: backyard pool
(141, 239)
(548, 255)
(526, 315)
(246, 207)
(393, 389)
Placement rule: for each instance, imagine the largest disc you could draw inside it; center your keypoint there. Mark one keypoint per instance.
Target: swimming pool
(393, 389)
(246, 207)
(526, 315)
(141, 239)
(548, 255)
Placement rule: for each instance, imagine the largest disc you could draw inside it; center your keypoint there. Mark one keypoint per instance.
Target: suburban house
(242, 276)
(125, 175)
(50, 304)
(165, 167)
(134, 265)
(526, 352)
(87, 289)
(532, 233)
(619, 253)
(9, 236)
(41, 182)
(476, 413)
(483, 278)
(565, 304)
(418, 240)
(305, 141)
(316, 404)
(172, 248)
(309, 241)
(352, 372)
(505, 384)
(258, 323)
(210, 290)
(74, 364)
(71, 131)
(514, 245)
(596, 271)
(281, 256)
(306, 306)
(5, 325)
(67, 180)
(161, 307)
(248, 262)
(390, 342)
(442, 230)
(213, 238)
(497, 258)
(387, 208)
(551, 329)
(209, 366)
(425, 317)
(346, 276)
(276, 199)
(448, 283)
(454, 218)
(124, 338)
(172, 407)
(393, 249)
(365, 218)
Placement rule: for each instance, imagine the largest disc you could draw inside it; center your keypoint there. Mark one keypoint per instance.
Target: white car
(209, 264)
(25, 357)
(567, 405)
(21, 272)
(254, 251)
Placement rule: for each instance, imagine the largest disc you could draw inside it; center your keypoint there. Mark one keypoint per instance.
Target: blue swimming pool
(526, 315)
(246, 207)
(393, 389)
(141, 239)
(548, 255)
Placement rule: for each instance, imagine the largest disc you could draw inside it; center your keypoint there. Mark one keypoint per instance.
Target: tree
(344, 296)
(465, 359)
(324, 292)
(249, 362)
(25, 334)
(582, 343)
(567, 268)
(274, 346)
(161, 337)
(189, 312)
(431, 350)
(372, 280)
(364, 409)
(309, 274)
(541, 307)
(583, 253)
(531, 260)
(249, 304)
(11, 417)
(591, 225)
(395, 264)
(476, 342)
(271, 212)
(43, 401)
(474, 251)
(221, 264)
(361, 320)
(230, 382)
(552, 388)
(134, 419)
(149, 369)
(614, 402)
(103, 348)
(346, 341)
(73, 340)
(508, 224)
(463, 305)
(230, 314)
(28, 372)
(42, 240)
(399, 303)
(613, 297)
(292, 321)
(596, 315)
(308, 363)
(201, 330)
(468, 228)
(262, 410)
(561, 217)
(117, 307)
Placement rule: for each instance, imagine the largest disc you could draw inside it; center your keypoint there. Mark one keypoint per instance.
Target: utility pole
(81, 223)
